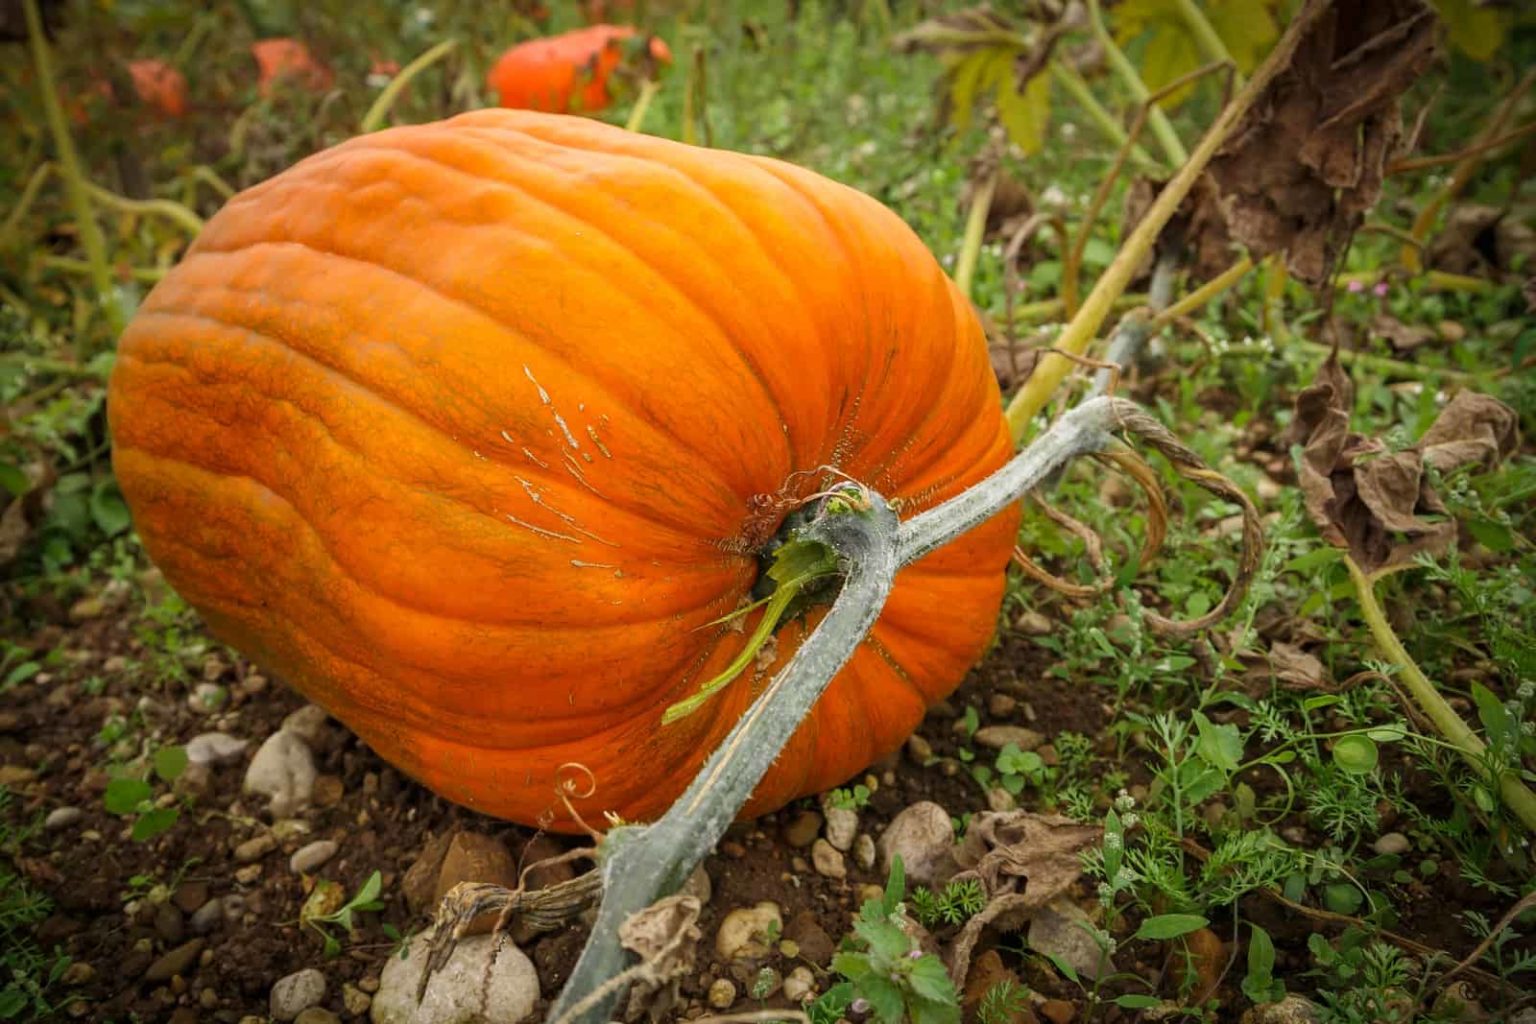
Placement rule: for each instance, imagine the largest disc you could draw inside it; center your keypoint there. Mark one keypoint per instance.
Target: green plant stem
(1434, 280)
(1173, 148)
(381, 106)
(1517, 797)
(648, 90)
(74, 179)
(55, 367)
(1206, 38)
(1098, 114)
(975, 232)
(1046, 309)
(166, 208)
(69, 265)
(1077, 335)
(24, 202)
(641, 864)
(1203, 294)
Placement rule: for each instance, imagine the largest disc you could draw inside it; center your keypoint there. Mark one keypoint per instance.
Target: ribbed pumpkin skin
(465, 430)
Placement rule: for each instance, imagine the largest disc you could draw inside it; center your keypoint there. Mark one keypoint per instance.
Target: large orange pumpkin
(472, 431)
(567, 73)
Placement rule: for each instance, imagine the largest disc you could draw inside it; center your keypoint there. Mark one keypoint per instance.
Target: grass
(1241, 785)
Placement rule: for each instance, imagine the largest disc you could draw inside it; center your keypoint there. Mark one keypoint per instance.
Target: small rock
(923, 837)
(919, 750)
(62, 817)
(1059, 929)
(800, 985)
(308, 858)
(722, 994)
(208, 999)
(1001, 705)
(1204, 958)
(207, 917)
(473, 857)
(746, 931)
(842, 826)
(175, 962)
(997, 737)
(827, 860)
(16, 775)
(215, 748)
(10, 722)
(317, 1015)
(485, 978)
(1032, 623)
(1001, 801)
(864, 851)
(354, 1000)
(1058, 1011)
(255, 848)
(206, 698)
(286, 829)
(311, 724)
(77, 973)
(168, 924)
(1392, 844)
(420, 882)
(802, 829)
(1293, 1009)
(296, 993)
(328, 791)
(283, 770)
(190, 896)
(1451, 331)
(86, 609)
(810, 938)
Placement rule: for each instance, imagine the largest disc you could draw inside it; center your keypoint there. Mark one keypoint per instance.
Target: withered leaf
(1377, 504)
(1307, 162)
(1024, 861)
(1404, 337)
(1482, 241)
(1198, 226)
(1295, 669)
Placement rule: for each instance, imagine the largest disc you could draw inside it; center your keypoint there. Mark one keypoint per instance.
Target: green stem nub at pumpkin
(797, 565)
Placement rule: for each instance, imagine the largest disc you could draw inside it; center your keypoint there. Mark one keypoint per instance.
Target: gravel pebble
(308, 858)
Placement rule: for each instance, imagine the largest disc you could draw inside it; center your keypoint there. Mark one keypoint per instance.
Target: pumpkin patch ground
(411, 473)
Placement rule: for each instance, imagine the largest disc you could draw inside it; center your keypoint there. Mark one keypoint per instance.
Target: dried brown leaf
(1377, 504)
(1295, 669)
(1199, 227)
(1403, 337)
(1308, 160)
(1024, 860)
(1482, 241)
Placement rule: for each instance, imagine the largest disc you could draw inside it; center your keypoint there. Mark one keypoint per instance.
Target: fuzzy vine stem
(1077, 335)
(975, 232)
(381, 106)
(69, 163)
(641, 864)
(1517, 797)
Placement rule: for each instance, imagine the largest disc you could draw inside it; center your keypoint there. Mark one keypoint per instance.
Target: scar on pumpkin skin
(525, 450)
(570, 520)
(543, 532)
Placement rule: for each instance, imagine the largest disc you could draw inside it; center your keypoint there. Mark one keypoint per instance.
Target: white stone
(487, 978)
(923, 836)
(745, 931)
(283, 770)
(215, 748)
(842, 826)
(296, 993)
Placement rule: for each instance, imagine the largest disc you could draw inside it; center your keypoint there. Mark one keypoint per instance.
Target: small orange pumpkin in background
(567, 73)
(474, 431)
(159, 86)
(288, 60)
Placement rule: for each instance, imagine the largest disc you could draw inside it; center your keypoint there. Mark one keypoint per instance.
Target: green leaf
(1494, 536)
(1220, 746)
(886, 940)
(170, 762)
(1025, 114)
(1356, 754)
(895, 885)
(1342, 898)
(1261, 965)
(931, 981)
(153, 822)
(927, 1011)
(1477, 30)
(1502, 727)
(123, 796)
(885, 1002)
(108, 509)
(1246, 27)
(14, 479)
(1169, 926)
(370, 889)
(21, 673)
(12, 1002)
(853, 966)
(1133, 1001)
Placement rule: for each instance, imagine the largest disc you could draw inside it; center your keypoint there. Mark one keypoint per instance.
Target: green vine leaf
(1247, 28)
(1476, 30)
